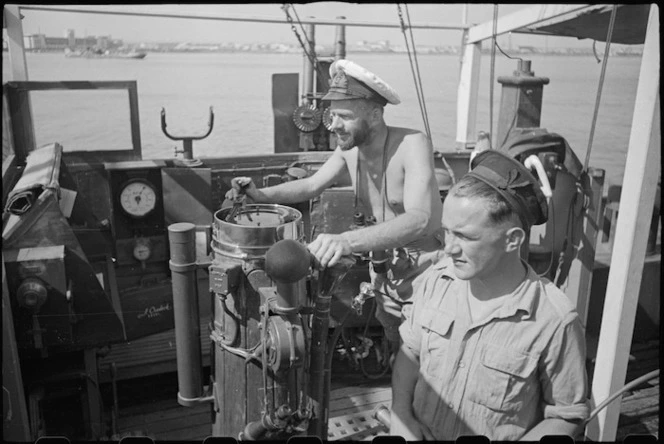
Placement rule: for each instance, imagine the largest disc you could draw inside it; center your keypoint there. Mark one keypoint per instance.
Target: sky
(133, 29)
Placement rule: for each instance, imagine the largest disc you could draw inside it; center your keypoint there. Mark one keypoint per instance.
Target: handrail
(238, 18)
(525, 18)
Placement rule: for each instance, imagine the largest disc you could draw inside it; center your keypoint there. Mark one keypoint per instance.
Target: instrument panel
(138, 223)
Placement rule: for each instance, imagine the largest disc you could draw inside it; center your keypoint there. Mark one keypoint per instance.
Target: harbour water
(238, 87)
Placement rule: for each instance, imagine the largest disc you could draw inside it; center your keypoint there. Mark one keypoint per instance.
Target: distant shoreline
(565, 52)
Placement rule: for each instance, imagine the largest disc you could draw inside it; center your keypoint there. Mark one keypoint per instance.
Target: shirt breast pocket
(437, 326)
(504, 378)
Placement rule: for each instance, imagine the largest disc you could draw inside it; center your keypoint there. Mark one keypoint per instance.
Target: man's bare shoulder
(346, 155)
(408, 137)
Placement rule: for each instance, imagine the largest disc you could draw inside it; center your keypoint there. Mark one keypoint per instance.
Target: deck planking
(353, 399)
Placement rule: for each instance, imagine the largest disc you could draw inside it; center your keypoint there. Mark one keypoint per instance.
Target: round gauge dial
(138, 198)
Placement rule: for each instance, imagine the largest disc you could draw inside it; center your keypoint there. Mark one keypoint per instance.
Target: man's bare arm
(303, 189)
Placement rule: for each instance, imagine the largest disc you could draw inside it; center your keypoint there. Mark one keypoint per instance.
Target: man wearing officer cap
(489, 347)
(392, 173)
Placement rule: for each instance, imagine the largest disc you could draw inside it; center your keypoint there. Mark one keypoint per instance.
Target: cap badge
(339, 80)
(511, 181)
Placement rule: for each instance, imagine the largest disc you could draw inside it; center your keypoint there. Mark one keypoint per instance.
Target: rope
(599, 88)
(505, 54)
(493, 66)
(647, 377)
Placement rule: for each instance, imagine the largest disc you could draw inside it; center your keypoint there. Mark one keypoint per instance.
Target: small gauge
(138, 198)
(142, 249)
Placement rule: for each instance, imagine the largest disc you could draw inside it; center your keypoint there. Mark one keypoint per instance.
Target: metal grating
(359, 426)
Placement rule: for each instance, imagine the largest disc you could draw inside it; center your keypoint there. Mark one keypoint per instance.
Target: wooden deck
(148, 407)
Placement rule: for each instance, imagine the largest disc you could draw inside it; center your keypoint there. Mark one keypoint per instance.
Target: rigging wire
(420, 98)
(417, 79)
(417, 68)
(493, 66)
(609, 35)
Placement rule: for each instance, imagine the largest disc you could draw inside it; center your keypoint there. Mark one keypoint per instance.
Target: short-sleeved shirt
(501, 376)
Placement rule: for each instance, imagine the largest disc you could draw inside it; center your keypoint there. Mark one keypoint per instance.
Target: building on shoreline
(43, 43)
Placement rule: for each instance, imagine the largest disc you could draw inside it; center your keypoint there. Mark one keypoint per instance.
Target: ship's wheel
(307, 118)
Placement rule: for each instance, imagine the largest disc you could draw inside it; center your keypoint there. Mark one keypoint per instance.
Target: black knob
(287, 261)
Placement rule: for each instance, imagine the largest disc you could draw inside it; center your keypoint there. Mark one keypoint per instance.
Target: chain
(311, 56)
(403, 25)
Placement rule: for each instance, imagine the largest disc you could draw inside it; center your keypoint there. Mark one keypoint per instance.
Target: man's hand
(241, 185)
(329, 248)
(403, 423)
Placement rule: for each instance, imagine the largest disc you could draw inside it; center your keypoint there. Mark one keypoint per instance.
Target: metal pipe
(319, 328)
(328, 279)
(309, 67)
(383, 415)
(182, 241)
(340, 41)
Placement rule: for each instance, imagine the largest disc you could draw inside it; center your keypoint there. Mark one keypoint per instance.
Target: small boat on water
(91, 53)
(133, 305)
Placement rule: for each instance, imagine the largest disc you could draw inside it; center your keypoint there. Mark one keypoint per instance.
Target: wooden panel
(150, 355)
(15, 426)
(284, 102)
(187, 196)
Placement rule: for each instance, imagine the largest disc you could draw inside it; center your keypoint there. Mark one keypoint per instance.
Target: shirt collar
(522, 299)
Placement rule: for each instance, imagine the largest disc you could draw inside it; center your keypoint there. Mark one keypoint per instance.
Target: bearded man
(392, 173)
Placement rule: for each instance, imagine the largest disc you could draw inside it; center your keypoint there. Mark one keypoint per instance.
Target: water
(238, 87)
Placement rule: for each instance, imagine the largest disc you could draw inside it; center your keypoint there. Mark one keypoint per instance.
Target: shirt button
(462, 365)
(452, 406)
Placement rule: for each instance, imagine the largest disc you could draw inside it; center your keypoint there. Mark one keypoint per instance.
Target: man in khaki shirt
(489, 348)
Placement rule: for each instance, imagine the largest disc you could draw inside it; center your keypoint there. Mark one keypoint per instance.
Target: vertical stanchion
(182, 241)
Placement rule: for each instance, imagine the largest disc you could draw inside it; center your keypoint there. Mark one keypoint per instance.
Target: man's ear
(514, 237)
(376, 113)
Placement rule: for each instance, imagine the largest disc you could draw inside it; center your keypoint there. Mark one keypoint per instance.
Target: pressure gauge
(138, 198)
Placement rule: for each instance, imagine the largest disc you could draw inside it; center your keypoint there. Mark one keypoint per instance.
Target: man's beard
(362, 135)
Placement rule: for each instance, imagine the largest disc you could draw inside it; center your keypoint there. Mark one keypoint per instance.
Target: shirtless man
(392, 173)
